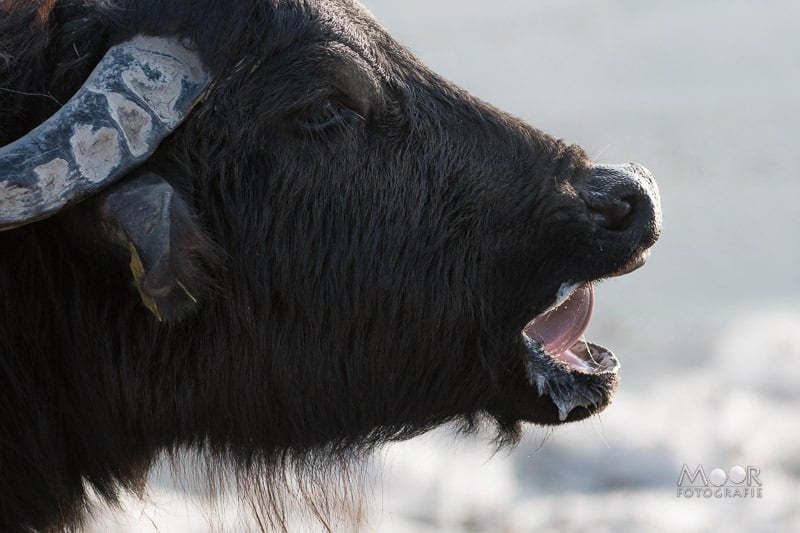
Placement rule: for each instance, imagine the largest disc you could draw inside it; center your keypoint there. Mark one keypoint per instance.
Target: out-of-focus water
(705, 94)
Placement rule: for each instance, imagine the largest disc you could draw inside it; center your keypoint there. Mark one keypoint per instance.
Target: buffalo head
(266, 227)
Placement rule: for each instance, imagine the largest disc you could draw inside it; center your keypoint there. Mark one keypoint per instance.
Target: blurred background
(705, 94)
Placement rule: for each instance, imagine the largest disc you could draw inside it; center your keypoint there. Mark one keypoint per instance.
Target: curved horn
(138, 94)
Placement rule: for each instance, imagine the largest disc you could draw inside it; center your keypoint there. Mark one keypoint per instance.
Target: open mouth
(559, 330)
(577, 376)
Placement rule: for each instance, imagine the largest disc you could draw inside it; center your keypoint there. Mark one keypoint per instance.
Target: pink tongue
(562, 327)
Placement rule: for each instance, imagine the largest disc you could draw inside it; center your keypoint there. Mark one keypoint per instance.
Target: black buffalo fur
(375, 239)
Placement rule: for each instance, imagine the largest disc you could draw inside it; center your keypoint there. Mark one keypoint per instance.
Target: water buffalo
(264, 229)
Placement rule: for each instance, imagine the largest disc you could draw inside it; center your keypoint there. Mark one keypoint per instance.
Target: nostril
(622, 198)
(611, 213)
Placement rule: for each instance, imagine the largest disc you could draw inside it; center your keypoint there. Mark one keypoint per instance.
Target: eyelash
(332, 112)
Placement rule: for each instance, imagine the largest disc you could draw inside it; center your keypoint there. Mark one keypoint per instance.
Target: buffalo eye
(329, 113)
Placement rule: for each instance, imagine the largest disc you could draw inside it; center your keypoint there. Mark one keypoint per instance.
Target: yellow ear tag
(137, 269)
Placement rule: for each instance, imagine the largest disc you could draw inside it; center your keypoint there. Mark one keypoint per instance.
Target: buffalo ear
(171, 258)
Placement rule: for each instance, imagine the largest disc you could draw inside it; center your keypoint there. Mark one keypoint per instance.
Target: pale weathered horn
(138, 94)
